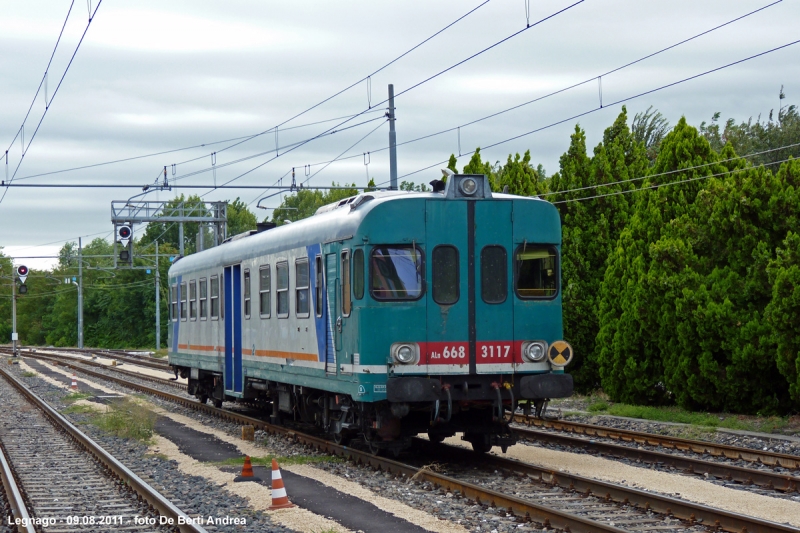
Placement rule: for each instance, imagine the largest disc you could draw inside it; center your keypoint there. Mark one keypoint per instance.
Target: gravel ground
(794, 496)
(193, 494)
(454, 508)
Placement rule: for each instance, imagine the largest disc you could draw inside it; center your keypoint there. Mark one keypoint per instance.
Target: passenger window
(203, 299)
(537, 272)
(193, 300)
(301, 288)
(264, 283)
(282, 270)
(319, 286)
(247, 293)
(214, 298)
(183, 301)
(358, 273)
(173, 309)
(445, 275)
(345, 275)
(396, 273)
(494, 274)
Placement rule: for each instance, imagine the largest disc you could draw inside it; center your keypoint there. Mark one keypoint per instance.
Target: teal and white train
(383, 316)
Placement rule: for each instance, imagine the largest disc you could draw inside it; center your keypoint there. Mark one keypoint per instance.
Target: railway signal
(124, 234)
(22, 272)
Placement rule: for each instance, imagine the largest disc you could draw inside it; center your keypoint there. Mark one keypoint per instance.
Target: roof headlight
(405, 353)
(468, 186)
(534, 351)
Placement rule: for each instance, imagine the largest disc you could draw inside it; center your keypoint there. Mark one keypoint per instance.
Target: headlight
(405, 353)
(468, 186)
(534, 351)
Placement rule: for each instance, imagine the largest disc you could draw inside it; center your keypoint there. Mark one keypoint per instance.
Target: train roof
(333, 222)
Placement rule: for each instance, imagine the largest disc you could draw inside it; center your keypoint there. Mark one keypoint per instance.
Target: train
(383, 316)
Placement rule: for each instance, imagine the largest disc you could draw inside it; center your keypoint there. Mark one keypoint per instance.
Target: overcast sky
(153, 76)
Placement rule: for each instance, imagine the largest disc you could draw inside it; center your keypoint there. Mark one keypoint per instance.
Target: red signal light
(22, 270)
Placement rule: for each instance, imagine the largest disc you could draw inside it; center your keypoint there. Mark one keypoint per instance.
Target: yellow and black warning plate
(560, 353)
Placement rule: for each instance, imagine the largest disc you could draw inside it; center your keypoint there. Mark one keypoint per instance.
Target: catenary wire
(154, 154)
(416, 85)
(605, 106)
(659, 185)
(44, 77)
(593, 78)
(25, 150)
(246, 139)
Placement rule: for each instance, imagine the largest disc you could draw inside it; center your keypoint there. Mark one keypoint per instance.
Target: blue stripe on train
(176, 323)
(319, 322)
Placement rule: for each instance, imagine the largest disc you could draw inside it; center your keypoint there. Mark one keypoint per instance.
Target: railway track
(110, 354)
(68, 482)
(791, 462)
(554, 499)
(768, 480)
(77, 363)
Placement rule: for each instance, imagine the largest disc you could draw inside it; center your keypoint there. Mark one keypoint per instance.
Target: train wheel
(341, 439)
(203, 398)
(480, 443)
(374, 449)
(217, 403)
(436, 437)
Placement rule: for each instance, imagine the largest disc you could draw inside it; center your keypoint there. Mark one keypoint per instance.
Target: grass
(160, 354)
(74, 396)
(159, 455)
(128, 419)
(678, 415)
(27, 374)
(285, 460)
(80, 409)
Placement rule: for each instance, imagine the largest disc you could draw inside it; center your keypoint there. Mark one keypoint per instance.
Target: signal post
(21, 274)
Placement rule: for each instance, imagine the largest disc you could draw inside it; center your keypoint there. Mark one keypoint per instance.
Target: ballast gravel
(460, 512)
(695, 490)
(195, 495)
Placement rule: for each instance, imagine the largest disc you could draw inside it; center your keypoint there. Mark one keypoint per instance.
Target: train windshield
(537, 272)
(396, 273)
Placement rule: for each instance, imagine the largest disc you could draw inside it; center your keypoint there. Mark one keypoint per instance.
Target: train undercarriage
(478, 407)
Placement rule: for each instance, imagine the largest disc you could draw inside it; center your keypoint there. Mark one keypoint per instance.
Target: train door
(233, 329)
(447, 347)
(334, 318)
(494, 305)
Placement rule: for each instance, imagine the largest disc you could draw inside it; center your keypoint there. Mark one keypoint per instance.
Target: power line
(620, 101)
(365, 78)
(667, 173)
(25, 150)
(44, 77)
(426, 80)
(659, 185)
(154, 154)
(593, 78)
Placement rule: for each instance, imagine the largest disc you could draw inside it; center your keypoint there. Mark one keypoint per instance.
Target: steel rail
(640, 499)
(157, 501)
(791, 462)
(72, 362)
(765, 479)
(521, 507)
(689, 511)
(141, 361)
(15, 500)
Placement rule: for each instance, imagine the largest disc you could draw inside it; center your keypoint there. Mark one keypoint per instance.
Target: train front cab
(481, 330)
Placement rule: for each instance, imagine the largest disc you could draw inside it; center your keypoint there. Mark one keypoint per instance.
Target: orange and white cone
(279, 498)
(247, 472)
(74, 385)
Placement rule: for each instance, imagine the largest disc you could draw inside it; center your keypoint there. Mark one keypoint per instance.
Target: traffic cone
(279, 498)
(74, 385)
(247, 472)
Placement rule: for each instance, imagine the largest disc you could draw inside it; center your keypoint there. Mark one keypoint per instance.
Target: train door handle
(339, 324)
